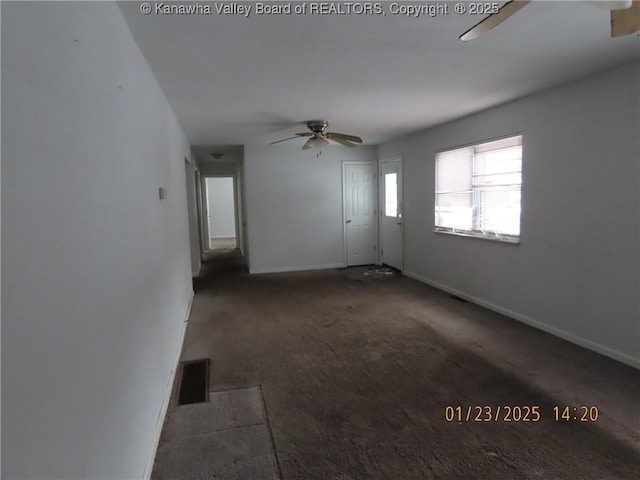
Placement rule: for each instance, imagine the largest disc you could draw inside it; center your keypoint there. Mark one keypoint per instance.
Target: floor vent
(194, 382)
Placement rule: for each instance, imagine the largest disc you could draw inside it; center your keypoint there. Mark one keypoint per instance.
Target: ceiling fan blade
(298, 135)
(627, 21)
(283, 140)
(342, 141)
(494, 19)
(350, 138)
(315, 142)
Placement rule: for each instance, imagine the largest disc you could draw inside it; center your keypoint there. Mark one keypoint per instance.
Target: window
(391, 195)
(478, 190)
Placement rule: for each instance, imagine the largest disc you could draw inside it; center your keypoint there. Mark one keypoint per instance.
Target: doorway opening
(221, 210)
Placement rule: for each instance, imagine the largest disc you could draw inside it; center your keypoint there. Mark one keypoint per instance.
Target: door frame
(202, 215)
(381, 205)
(376, 168)
(192, 175)
(236, 208)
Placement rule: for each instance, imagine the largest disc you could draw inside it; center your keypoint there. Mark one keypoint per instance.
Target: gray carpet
(357, 370)
(226, 438)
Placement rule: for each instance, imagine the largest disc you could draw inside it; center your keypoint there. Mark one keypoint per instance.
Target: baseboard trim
(570, 337)
(295, 269)
(167, 397)
(196, 273)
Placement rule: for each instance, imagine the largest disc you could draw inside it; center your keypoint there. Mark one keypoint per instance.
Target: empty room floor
(222, 243)
(357, 370)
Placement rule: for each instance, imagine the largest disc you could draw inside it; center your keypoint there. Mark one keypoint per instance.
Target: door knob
(398, 223)
(348, 221)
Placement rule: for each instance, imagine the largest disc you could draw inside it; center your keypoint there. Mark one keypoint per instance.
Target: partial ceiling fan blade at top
(341, 141)
(315, 142)
(627, 21)
(298, 135)
(343, 136)
(494, 19)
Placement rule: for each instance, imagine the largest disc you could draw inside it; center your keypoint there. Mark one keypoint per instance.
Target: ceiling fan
(320, 137)
(625, 17)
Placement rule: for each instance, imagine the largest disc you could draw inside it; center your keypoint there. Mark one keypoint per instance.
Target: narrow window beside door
(391, 194)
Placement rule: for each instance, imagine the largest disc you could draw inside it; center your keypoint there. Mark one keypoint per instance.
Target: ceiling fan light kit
(625, 17)
(319, 136)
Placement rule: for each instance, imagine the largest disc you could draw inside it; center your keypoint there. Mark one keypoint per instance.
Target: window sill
(480, 236)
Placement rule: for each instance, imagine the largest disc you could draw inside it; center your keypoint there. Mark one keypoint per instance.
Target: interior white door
(391, 213)
(221, 209)
(360, 216)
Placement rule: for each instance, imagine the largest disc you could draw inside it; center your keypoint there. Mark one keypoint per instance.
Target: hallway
(357, 371)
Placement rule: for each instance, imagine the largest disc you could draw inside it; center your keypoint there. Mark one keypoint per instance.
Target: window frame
(477, 233)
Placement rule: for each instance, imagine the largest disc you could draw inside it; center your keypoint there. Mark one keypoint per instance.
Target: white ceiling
(236, 80)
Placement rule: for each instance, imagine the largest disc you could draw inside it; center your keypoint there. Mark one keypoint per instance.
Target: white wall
(221, 207)
(575, 272)
(192, 206)
(294, 205)
(96, 269)
(221, 169)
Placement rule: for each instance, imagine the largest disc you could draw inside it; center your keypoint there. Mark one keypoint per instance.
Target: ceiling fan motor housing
(318, 126)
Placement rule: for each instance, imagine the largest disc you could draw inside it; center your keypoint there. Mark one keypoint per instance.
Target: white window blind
(478, 190)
